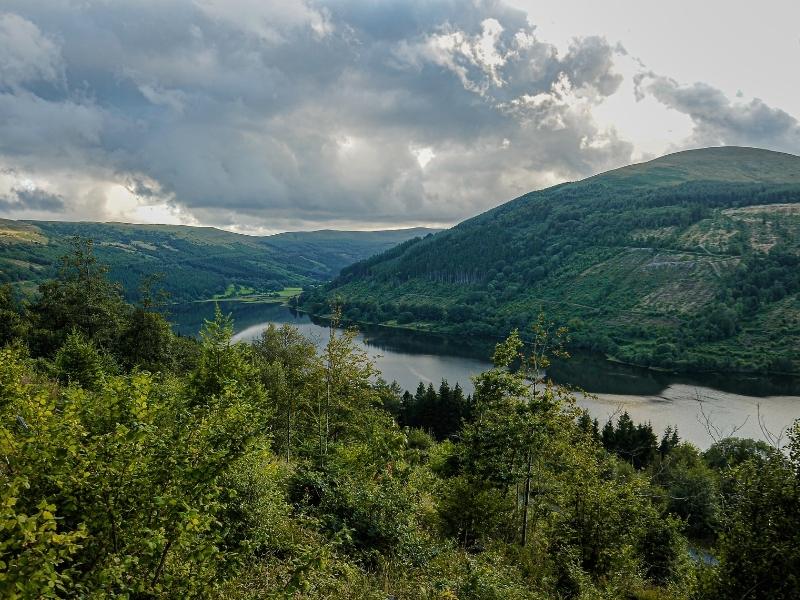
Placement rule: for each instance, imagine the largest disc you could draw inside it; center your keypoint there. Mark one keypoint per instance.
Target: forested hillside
(690, 261)
(197, 262)
(138, 464)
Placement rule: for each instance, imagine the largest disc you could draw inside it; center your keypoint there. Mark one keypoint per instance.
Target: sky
(261, 116)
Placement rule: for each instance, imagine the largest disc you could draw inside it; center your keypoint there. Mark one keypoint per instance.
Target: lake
(731, 403)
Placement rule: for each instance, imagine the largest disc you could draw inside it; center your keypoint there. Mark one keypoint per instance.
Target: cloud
(718, 120)
(22, 200)
(589, 64)
(26, 55)
(271, 115)
(268, 20)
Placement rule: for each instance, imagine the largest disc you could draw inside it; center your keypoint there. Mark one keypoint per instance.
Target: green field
(244, 294)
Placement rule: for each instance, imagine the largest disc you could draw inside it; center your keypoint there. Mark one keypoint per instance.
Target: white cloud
(26, 55)
(424, 155)
(718, 120)
(476, 59)
(269, 20)
(174, 99)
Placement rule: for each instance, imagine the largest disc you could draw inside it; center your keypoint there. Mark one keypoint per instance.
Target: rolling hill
(689, 261)
(197, 262)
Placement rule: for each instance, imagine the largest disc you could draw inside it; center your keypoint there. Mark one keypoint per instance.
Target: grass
(290, 292)
(246, 294)
(13, 232)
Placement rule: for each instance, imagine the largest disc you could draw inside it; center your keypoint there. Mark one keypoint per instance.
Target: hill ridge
(715, 286)
(241, 265)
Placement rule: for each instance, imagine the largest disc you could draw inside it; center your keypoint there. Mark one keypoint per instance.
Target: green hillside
(197, 262)
(689, 261)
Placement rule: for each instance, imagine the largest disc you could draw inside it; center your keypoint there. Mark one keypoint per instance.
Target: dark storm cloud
(276, 112)
(31, 200)
(719, 120)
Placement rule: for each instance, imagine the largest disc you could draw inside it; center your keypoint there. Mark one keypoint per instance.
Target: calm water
(730, 402)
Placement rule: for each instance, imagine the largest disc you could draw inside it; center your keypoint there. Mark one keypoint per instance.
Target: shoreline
(607, 357)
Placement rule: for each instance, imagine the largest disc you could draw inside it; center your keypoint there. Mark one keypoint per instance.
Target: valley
(198, 263)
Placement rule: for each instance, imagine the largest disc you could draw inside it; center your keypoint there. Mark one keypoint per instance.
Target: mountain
(689, 261)
(197, 262)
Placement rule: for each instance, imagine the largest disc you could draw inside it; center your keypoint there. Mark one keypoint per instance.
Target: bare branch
(714, 432)
(776, 441)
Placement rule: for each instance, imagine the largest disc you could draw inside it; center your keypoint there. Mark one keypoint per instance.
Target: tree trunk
(327, 416)
(319, 426)
(161, 561)
(526, 501)
(288, 430)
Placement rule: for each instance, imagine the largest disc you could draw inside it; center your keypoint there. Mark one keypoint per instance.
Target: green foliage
(79, 361)
(81, 299)
(137, 464)
(32, 550)
(760, 539)
(531, 475)
(732, 452)
(146, 341)
(697, 269)
(271, 470)
(290, 371)
(634, 443)
(692, 490)
(439, 412)
(12, 320)
(474, 512)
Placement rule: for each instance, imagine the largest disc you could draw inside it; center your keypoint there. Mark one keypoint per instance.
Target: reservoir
(702, 406)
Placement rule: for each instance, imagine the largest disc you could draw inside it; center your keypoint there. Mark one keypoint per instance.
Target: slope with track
(686, 261)
(197, 262)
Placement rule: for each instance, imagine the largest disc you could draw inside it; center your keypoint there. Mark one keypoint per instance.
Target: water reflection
(731, 403)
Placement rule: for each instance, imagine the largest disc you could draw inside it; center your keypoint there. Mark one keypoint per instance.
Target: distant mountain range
(197, 262)
(689, 261)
